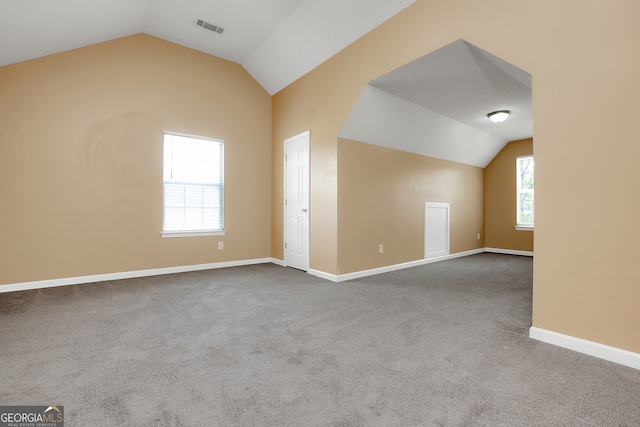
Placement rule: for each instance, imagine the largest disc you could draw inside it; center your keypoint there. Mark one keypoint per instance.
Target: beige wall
(381, 196)
(80, 150)
(315, 103)
(500, 199)
(81, 158)
(585, 60)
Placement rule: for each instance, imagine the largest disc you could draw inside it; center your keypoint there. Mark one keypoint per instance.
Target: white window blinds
(193, 184)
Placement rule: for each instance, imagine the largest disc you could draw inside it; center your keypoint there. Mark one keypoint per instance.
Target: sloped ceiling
(276, 41)
(437, 106)
(434, 106)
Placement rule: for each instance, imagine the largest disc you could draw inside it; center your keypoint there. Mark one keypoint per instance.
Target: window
(193, 182)
(524, 185)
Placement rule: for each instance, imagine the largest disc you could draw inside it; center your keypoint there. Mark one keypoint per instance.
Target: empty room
(319, 213)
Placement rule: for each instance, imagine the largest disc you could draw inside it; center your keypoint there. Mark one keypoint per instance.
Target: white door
(296, 201)
(436, 229)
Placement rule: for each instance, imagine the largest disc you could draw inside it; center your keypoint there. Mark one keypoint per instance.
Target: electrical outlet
(220, 245)
(380, 249)
(478, 236)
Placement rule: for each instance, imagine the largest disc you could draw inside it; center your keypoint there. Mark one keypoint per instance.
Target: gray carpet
(444, 344)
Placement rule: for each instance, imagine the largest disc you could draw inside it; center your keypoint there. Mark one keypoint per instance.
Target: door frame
(307, 135)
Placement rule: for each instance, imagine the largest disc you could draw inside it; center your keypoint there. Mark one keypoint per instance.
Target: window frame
(523, 226)
(198, 232)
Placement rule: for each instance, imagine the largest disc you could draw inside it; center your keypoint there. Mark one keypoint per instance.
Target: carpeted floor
(444, 344)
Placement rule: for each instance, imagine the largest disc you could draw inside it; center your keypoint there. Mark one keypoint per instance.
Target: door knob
(304, 210)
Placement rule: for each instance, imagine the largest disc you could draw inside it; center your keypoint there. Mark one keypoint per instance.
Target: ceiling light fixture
(499, 116)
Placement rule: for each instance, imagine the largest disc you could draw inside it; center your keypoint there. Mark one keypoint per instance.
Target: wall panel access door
(436, 229)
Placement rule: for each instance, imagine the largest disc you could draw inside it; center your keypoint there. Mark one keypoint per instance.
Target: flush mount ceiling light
(499, 116)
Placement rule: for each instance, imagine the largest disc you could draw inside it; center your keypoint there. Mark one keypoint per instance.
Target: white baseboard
(601, 351)
(279, 262)
(186, 268)
(390, 268)
(323, 275)
(395, 267)
(508, 251)
(40, 284)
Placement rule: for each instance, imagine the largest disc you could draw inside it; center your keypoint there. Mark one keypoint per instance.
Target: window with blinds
(193, 181)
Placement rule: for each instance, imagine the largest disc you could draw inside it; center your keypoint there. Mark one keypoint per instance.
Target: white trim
(188, 135)
(508, 251)
(199, 232)
(323, 275)
(521, 227)
(40, 284)
(601, 351)
(390, 268)
(520, 190)
(171, 234)
(605, 352)
(427, 239)
(396, 267)
(279, 262)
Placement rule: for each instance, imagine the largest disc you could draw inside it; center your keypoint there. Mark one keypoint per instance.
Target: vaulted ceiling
(435, 106)
(276, 41)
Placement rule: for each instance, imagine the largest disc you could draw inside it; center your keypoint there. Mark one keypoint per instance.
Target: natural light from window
(193, 182)
(524, 185)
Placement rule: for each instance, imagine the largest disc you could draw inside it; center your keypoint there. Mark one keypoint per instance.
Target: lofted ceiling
(276, 41)
(437, 106)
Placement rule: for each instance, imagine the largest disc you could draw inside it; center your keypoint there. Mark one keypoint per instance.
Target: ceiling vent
(209, 26)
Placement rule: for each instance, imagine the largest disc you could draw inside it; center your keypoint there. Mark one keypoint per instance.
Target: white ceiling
(437, 106)
(276, 41)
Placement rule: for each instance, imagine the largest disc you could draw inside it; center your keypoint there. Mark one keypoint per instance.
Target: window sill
(170, 234)
(520, 227)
